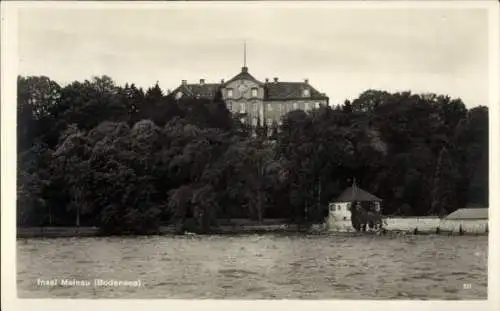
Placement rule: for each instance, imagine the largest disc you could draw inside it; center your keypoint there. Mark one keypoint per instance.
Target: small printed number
(467, 286)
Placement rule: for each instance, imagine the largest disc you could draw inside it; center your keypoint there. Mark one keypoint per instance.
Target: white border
(8, 166)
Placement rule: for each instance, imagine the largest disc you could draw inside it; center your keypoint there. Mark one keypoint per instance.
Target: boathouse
(340, 209)
(471, 220)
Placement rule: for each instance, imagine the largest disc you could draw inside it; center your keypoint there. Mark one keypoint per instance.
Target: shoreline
(75, 232)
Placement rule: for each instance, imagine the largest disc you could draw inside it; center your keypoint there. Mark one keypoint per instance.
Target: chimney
(306, 81)
(184, 82)
(275, 79)
(267, 80)
(222, 81)
(202, 81)
(244, 69)
(169, 91)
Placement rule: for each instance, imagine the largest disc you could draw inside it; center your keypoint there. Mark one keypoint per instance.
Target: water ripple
(260, 267)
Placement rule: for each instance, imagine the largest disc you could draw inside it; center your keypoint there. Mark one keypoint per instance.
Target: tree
(37, 103)
(443, 196)
(71, 159)
(256, 167)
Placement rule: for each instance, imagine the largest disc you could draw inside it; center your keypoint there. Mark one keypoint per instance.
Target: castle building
(257, 102)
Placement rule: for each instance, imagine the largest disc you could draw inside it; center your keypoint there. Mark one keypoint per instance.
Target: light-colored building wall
(247, 100)
(339, 211)
(252, 103)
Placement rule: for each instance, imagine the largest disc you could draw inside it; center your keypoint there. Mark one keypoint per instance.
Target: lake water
(256, 267)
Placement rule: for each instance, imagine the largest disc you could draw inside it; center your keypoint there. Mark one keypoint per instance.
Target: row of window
(282, 108)
(348, 206)
(269, 121)
(339, 207)
(254, 93)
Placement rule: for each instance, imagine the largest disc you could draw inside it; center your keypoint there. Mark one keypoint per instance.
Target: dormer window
(254, 92)
(307, 93)
(230, 93)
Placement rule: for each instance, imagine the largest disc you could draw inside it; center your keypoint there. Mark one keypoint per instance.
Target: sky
(342, 51)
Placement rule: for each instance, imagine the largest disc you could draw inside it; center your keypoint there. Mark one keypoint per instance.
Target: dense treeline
(128, 160)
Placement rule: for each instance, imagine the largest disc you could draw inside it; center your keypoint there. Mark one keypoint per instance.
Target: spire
(244, 68)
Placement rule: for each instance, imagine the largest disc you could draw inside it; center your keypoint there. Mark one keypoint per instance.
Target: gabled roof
(468, 213)
(272, 90)
(290, 90)
(355, 193)
(243, 75)
(206, 90)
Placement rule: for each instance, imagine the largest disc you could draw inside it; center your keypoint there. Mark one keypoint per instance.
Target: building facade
(255, 101)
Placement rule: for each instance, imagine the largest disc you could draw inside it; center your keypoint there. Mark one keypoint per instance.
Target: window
(254, 92)
(295, 106)
(306, 106)
(254, 121)
(269, 121)
(307, 93)
(269, 107)
(255, 107)
(229, 106)
(242, 108)
(317, 105)
(230, 93)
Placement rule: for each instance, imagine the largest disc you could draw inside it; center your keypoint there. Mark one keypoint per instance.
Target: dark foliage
(128, 160)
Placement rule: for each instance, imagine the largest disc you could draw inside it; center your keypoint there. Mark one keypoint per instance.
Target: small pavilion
(340, 209)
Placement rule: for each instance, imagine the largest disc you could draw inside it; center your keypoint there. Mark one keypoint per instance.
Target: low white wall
(409, 224)
(424, 224)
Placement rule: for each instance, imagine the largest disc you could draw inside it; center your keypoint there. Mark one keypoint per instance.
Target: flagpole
(245, 53)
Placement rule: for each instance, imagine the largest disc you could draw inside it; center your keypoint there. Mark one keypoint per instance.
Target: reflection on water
(259, 267)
